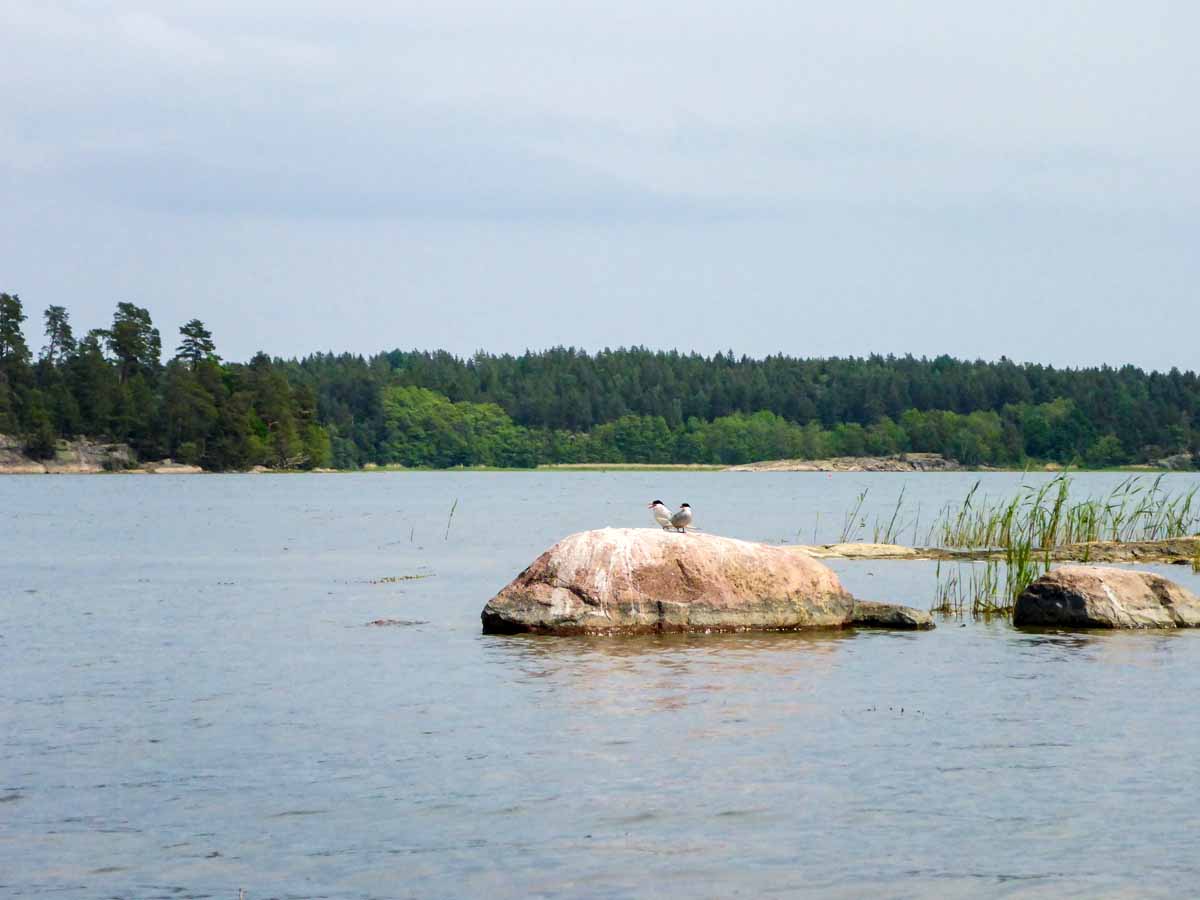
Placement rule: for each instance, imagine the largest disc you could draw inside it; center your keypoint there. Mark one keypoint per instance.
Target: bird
(682, 518)
(662, 515)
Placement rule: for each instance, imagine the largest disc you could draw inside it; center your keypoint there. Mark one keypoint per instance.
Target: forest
(434, 409)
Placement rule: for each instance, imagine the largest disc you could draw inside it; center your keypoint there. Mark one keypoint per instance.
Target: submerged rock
(1177, 551)
(860, 551)
(639, 580)
(868, 614)
(396, 623)
(1105, 597)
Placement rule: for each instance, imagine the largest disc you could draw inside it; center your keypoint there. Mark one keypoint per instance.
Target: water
(192, 703)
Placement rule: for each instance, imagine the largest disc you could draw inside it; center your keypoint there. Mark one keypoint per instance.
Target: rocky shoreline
(903, 462)
(85, 457)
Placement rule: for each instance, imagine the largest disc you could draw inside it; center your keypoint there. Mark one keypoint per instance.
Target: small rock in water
(1106, 597)
(397, 622)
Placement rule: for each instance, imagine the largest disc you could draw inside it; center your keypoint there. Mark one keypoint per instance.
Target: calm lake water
(191, 703)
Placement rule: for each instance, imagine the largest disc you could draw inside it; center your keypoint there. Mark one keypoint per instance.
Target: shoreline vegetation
(86, 457)
(565, 407)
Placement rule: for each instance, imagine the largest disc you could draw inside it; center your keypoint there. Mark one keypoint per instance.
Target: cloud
(441, 179)
(170, 43)
(945, 171)
(466, 109)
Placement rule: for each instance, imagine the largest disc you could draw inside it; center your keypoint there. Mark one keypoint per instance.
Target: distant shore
(169, 467)
(87, 457)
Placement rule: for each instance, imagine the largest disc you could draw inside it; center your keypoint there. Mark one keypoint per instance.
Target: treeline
(420, 427)
(562, 405)
(638, 405)
(112, 384)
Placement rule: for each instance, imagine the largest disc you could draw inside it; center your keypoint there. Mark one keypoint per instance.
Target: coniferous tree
(60, 341)
(95, 384)
(14, 352)
(15, 374)
(39, 430)
(197, 344)
(189, 411)
(8, 419)
(135, 342)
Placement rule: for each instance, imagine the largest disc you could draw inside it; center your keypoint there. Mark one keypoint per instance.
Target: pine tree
(14, 352)
(39, 431)
(60, 341)
(197, 344)
(134, 341)
(8, 421)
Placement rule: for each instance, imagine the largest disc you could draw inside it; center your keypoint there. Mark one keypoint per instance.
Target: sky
(815, 179)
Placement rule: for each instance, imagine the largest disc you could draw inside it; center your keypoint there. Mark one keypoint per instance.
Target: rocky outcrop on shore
(1179, 462)
(1104, 597)
(84, 456)
(170, 467)
(633, 580)
(904, 462)
(78, 457)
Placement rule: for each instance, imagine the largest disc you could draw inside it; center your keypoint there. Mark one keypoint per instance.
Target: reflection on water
(645, 675)
(667, 649)
(1119, 648)
(192, 703)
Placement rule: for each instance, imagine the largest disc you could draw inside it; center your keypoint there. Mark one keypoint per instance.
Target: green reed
(887, 532)
(1028, 526)
(852, 517)
(1047, 517)
(948, 598)
(977, 586)
(974, 587)
(885, 529)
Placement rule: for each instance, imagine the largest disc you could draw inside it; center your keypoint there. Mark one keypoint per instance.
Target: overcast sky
(817, 179)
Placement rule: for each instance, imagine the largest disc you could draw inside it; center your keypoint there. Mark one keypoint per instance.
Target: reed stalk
(852, 517)
(887, 533)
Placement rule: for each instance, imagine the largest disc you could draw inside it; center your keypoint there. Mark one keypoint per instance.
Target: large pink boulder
(638, 580)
